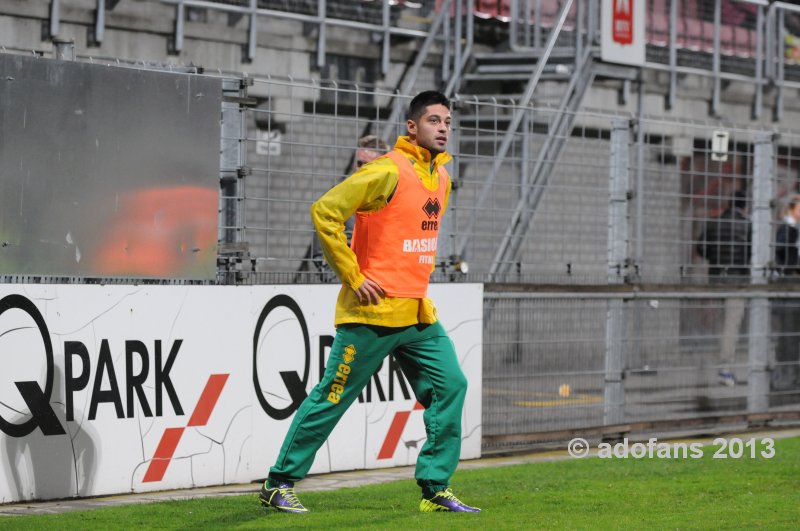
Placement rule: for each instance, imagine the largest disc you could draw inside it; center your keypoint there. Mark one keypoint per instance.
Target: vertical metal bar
(537, 29)
(758, 99)
(526, 21)
(458, 69)
(231, 160)
(100, 22)
(180, 14)
(770, 42)
(470, 39)
(387, 39)
(639, 252)
(322, 35)
(527, 126)
(619, 164)
(253, 31)
(64, 49)
(780, 32)
(619, 178)
(411, 78)
(55, 17)
(758, 333)
(594, 11)
(673, 54)
(716, 59)
(513, 29)
(578, 32)
(446, 53)
(457, 41)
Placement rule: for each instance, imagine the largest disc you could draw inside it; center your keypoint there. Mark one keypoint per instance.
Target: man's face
(432, 129)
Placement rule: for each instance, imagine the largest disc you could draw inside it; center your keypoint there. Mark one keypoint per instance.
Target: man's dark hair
(421, 101)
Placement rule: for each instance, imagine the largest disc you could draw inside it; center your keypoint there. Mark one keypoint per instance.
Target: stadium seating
(695, 28)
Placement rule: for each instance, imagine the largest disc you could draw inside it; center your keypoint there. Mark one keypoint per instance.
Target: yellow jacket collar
(420, 154)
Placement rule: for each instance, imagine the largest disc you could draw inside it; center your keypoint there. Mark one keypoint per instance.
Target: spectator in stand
(786, 312)
(787, 257)
(739, 14)
(369, 148)
(725, 243)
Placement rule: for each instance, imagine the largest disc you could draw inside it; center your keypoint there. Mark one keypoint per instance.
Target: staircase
(506, 76)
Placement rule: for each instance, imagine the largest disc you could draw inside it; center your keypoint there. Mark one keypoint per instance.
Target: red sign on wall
(622, 22)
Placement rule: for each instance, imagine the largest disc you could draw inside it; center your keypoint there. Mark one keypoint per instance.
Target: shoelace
(447, 493)
(289, 495)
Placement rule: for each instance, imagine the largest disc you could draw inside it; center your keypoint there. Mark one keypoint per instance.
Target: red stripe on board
(164, 452)
(393, 437)
(418, 406)
(208, 399)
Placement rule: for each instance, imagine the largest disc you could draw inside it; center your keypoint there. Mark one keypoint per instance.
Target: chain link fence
(614, 312)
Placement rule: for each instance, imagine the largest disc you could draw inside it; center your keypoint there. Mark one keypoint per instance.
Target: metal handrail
(513, 125)
(511, 243)
(460, 66)
(411, 79)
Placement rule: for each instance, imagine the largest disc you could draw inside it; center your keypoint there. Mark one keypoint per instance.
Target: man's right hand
(369, 292)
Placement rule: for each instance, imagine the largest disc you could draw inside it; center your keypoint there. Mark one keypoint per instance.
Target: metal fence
(601, 312)
(606, 363)
(672, 178)
(609, 315)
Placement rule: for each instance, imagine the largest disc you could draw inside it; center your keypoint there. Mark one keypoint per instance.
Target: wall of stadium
(113, 389)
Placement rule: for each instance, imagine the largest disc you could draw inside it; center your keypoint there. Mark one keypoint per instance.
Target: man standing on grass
(383, 309)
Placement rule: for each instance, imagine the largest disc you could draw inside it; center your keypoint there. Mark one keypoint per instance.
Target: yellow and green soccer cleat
(281, 498)
(445, 500)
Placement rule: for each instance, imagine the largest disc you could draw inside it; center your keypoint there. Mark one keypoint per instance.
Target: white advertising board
(622, 31)
(113, 389)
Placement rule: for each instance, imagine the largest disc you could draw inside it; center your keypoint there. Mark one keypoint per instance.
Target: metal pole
(780, 31)
(100, 22)
(411, 78)
(614, 391)
(578, 32)
(232, 159)
(459, 68)
(758, 333)
(526, 20)
(457, 41)
(594, 11)
(55, 17)
(639, 252)
(387, 39)
(179, 16)
(64, 49)
(673, 54)
(322, 35)
(446, 51)
(716, 59)
(513, 23)
(253, 31)
(759, 74)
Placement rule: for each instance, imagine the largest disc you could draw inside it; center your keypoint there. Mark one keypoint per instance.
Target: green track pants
(426, 356)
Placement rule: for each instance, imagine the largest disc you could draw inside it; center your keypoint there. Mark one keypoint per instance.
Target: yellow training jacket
(368, 190)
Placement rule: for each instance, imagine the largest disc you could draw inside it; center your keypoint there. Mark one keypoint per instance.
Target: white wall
(212, 329)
